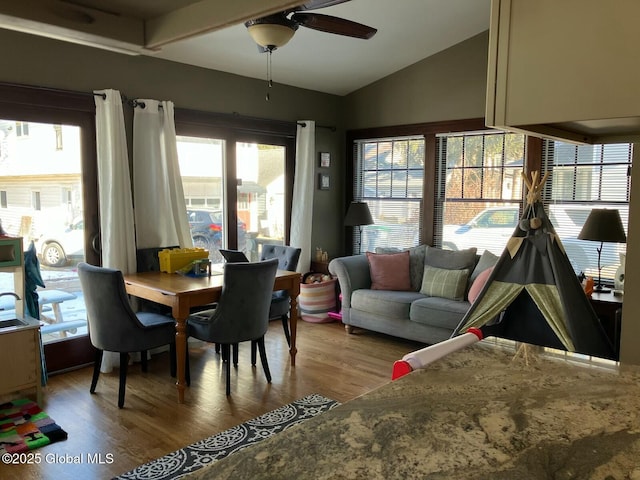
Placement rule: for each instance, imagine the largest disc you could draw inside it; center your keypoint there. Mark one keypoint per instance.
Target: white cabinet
(19, 345)
(565, 69)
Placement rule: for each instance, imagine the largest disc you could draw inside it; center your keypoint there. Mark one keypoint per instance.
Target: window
(583, 177)
(3, 199)
(479, 189)
(35, 201)
(389, 177)
(58, 131)
(22, 129)
(239, 170)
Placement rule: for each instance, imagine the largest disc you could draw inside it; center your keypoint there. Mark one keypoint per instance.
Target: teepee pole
(423, 357)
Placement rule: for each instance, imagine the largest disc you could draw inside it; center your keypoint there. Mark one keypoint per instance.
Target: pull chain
(269, 80)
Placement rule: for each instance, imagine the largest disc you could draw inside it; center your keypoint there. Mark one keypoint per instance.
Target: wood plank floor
(152, 424)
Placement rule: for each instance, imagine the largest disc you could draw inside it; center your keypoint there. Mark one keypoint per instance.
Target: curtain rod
(136, 103)
(328, 127)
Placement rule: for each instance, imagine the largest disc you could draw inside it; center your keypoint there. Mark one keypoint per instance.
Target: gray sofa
(407, 314)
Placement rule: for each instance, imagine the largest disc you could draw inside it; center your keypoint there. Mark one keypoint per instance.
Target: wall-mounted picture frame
(324, 181)
(325, 159)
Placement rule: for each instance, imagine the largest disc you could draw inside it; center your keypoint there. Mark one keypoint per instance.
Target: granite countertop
(477, 414)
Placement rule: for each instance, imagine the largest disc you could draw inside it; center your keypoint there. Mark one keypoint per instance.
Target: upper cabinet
(565, 69)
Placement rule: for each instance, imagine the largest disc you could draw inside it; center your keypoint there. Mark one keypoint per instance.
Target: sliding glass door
(48, 197)
(260, 172)
(237, 177)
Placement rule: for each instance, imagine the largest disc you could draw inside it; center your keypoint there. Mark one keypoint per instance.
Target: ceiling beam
(206, 16)
(73, 23)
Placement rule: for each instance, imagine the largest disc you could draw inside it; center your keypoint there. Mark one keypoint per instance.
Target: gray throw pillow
(450, 259)
(487, 260)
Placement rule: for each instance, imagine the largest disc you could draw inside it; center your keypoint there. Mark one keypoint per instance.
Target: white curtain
(160, 208)
(303, 190)
(116, 209)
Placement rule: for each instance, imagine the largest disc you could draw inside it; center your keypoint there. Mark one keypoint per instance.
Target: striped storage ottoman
(317, 299)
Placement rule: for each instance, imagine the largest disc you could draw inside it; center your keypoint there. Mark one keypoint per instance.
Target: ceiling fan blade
(337, 25)
(316, 4)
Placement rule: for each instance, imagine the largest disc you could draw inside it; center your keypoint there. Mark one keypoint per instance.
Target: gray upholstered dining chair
(241, 314)
(287, 260)
(115, 327)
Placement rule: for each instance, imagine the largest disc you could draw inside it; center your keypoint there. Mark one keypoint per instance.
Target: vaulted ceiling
(211, 34)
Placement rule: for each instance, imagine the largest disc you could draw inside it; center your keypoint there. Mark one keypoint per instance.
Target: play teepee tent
(533, 294)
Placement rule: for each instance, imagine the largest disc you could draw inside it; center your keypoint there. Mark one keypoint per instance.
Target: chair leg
(234, 352)
(143, 360)
(227, 365)
(96, 370)
(285, 327)
(124, 362)
(187, 366)
(263, 358)
(172, 359)
(254, 349)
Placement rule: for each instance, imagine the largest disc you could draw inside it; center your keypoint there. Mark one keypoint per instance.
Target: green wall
(450, 85)
(33, 60)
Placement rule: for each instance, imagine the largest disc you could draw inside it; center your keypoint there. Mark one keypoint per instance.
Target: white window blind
(583, 177)
(479, 189)
(389, 177)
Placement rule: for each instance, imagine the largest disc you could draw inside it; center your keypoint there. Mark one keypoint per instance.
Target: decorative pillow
(478, 284)
(389, 271)
(440, 282)
(450, 259)
(487, 259)
(416, 263)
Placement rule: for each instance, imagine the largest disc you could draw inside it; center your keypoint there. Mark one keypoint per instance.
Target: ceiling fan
(275, 30)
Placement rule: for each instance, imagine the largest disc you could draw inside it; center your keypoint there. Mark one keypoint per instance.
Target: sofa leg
(348, 328)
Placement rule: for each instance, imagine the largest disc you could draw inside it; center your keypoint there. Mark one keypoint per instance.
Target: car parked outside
(58, 247)
(491, 228)
(206, 229)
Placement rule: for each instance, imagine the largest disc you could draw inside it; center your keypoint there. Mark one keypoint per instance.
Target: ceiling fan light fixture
(270, 35)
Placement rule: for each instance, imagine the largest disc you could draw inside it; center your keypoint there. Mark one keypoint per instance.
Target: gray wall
(450, 85)
(33, 60)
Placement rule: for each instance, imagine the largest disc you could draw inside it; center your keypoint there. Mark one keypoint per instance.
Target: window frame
(233, 129)
(428, 131)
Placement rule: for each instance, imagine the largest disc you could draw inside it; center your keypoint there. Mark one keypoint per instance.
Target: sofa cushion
(445, 283)
(487, 259)
(416, 263)
(450, 259)
(438, 312)
(384, 302)
(389, 271)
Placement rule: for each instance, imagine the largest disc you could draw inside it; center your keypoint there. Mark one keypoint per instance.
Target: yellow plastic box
(172, 259)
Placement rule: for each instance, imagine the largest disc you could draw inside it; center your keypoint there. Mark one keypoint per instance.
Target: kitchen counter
(477, 414)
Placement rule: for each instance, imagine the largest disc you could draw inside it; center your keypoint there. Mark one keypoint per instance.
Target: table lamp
(603, 225)
(358, 214)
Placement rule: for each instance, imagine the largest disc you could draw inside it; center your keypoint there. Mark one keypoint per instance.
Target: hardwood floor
(105, 441)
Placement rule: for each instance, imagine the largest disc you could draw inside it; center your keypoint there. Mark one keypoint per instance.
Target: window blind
(479, 189)
(389, 177)
(583, 177)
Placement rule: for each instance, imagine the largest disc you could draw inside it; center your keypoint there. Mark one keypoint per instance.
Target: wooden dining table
(181, 293)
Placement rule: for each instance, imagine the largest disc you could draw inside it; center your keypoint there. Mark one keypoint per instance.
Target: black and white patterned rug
(207, 451)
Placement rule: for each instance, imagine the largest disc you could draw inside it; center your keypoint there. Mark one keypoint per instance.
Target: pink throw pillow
(389, 271)
(478, 284)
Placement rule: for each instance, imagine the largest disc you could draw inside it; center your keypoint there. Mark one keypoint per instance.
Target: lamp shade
(603, 225)
(271, 32)
(358, 214)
